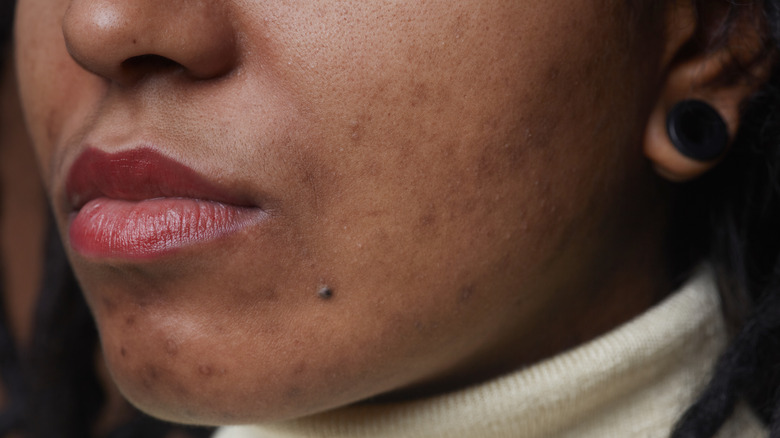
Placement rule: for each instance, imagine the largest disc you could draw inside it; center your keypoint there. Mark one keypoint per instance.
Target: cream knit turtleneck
(632, 382)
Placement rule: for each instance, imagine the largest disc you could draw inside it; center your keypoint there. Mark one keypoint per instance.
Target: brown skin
(22, 212)
(23, 219)
(467, 177)
(22, 216)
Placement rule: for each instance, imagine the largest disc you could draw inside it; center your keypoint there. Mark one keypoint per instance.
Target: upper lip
(139, 174)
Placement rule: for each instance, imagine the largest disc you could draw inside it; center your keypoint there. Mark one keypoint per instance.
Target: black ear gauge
(697, 130)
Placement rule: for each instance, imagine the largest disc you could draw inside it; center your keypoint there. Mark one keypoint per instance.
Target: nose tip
(123, 40)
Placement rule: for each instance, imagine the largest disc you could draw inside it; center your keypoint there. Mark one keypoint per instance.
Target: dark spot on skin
(123, 352)
(149, 376)
(299, 368)
(293, 392)
(419, 94)
(130, 321)
(427, 220)
(108, 305)
(465, 293)
(270, 294)
(180, 389)
(554, 72)
(135, 41)
(325, 293)
(354, 130)
(171, 347)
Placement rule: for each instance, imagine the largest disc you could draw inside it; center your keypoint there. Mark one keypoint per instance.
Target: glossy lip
(139, 205)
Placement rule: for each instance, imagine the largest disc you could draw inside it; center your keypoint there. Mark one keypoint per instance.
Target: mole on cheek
(325, 293)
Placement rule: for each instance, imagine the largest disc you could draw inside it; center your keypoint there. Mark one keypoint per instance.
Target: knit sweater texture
(634, 381)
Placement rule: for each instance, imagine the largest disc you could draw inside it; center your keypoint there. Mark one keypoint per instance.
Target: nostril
(143, 64)
(125, 41)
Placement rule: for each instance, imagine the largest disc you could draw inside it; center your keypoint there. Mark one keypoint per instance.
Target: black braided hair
(13, 382)
(6, 19)
(732, 217)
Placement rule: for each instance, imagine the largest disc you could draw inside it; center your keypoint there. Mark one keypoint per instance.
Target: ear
(714, 55)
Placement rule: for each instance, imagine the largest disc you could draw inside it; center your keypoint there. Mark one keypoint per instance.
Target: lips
(140, 205)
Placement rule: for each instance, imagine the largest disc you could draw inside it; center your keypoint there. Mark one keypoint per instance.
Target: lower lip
(142, 230)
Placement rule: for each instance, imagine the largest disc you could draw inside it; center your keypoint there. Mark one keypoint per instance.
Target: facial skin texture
(466, 177)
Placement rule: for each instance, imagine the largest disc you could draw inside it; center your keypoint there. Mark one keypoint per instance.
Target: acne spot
(299, 368)
(354, 130)
(325, 293)
(108, 305)
(130, 321)
(465, 293)
(270, 294)
(554, 72)
(205, 370)
(293, 392)
(427, 220)
(180, 389)
(171, 347)
(123, 352)
(419, 94)
(150, 375)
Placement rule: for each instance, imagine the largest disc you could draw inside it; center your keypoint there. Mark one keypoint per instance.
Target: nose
(124, 40)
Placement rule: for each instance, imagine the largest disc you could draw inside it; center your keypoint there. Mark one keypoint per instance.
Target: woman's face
(277, 208)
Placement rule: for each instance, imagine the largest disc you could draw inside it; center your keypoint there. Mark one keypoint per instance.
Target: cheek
(428, 191)
(54, 90)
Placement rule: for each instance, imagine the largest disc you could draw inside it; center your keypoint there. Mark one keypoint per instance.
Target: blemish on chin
(293, 392)
(205, 370)
(149, 376)
(171, 347)
(123, 352)
(209, 371)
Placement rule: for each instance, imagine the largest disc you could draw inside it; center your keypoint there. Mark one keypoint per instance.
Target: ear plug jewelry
(697, 130)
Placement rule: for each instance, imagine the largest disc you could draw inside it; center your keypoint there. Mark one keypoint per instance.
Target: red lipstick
(140, 204)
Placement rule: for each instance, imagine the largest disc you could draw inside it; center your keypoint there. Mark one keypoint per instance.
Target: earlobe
(697, 113)
(686, 140)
